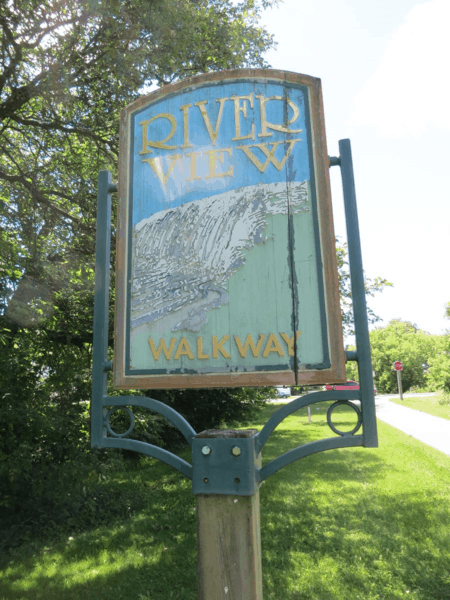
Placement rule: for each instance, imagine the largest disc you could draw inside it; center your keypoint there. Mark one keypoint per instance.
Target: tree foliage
(401, 340)
(372, 287)
(66, 70)
(438, 376)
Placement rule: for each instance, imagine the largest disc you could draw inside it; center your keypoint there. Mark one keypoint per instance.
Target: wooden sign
(226, 267)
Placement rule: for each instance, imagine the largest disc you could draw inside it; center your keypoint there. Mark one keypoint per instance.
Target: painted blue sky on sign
(197, 155)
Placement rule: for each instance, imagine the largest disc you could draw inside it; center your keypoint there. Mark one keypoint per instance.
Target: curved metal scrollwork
(108, 424)
(295, 405)
(333, 426)
(155, 406)
(120, 440)
(346, 439)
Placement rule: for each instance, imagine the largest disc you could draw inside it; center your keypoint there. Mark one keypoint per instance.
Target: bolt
(236, 451)
(206, 450)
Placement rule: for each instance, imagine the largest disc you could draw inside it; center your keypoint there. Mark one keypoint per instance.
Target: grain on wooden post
(229, 540)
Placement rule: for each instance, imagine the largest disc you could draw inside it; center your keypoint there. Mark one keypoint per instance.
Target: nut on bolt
(206, 450)
(236, 451)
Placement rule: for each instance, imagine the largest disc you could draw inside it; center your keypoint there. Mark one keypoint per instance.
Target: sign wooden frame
(252, 120)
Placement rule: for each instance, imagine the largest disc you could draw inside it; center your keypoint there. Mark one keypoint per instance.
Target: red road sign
(398, 366)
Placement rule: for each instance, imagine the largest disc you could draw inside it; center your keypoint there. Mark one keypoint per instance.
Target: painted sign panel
(226, 265)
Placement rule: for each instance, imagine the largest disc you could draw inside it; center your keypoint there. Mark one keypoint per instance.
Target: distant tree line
(425, 358)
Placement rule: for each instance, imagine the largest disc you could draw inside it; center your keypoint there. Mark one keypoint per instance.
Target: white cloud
(409, 92)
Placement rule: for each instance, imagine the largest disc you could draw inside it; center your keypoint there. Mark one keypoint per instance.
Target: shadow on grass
(152, 555)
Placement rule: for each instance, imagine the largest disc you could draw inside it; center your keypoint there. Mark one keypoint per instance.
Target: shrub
(210, 408)
(439, 368)
(444, 398)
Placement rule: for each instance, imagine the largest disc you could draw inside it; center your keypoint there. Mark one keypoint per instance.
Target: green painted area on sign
(256, 325)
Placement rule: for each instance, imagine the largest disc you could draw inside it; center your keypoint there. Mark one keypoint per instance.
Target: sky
(384, 68)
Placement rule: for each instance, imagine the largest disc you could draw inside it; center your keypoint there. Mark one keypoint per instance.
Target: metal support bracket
(232, 465)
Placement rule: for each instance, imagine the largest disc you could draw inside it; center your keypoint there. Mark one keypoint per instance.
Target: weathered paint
(226, 266)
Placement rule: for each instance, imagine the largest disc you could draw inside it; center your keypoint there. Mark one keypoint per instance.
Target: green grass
(345, 524)
(438, 406)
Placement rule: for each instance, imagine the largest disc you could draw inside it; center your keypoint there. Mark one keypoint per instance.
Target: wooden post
(229, 540)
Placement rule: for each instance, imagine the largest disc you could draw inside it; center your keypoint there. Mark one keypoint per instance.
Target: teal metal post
(101, 365)
(358, 295)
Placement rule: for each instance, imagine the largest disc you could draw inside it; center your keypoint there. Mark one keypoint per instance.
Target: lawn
(345, 524)
(438, 406)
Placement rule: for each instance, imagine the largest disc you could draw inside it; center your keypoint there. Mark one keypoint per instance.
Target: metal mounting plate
(220, 469)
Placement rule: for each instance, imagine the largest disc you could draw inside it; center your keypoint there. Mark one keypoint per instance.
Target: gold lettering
(156, 165)
(213, 133)
(265, 123)
(162, 347)
(290, 341)
(249, 343)
(183, 349)
(146, 143)
(200, 354)
(269, 154)
(237, 118)
(185, 108)
(215, 155)
(218, 346)
(193, 170)
(273, 345)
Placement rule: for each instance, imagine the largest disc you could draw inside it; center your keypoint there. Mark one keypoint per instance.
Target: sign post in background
(398, 366)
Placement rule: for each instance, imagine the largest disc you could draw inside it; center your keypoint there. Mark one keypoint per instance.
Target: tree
(438, 376)
(372, 286)
(439, 365)
(400, 340)
(66, 69)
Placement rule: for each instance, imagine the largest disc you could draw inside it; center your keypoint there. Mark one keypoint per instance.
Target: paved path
(430, 430)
